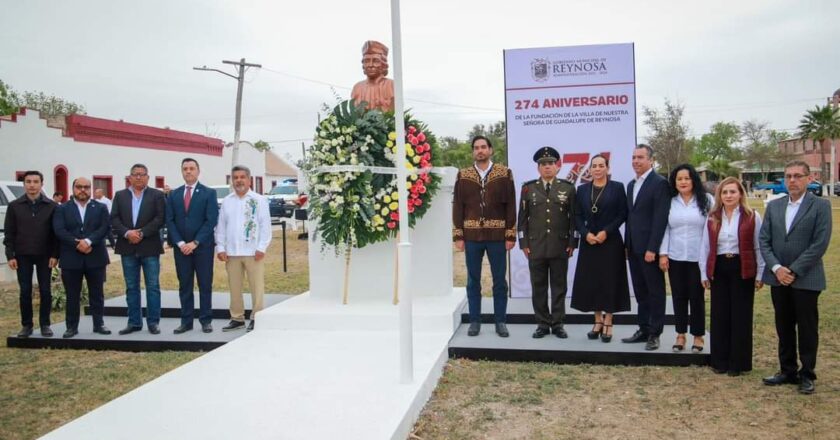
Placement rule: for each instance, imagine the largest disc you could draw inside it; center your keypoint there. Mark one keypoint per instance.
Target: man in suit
(191, 216)
(137, 216)
(648, 203)
(794, 237)
(81, 226)
(547, 237)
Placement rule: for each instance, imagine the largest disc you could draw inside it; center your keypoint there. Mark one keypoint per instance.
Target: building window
(160, 182)
(259, 189)
(105, 183)
(252, 183)
(60, 184)
(19, 176)
(227, 179)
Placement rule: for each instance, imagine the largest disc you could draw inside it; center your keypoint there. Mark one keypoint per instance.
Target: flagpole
(404, 246)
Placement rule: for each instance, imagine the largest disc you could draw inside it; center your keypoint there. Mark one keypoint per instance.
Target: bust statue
(376, 90)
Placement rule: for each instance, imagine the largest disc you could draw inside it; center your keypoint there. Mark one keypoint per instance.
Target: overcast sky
(132, 60)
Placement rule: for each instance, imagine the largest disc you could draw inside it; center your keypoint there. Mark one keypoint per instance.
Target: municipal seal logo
(539, 69)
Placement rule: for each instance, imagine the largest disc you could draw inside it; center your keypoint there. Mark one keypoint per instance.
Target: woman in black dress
(600, 284)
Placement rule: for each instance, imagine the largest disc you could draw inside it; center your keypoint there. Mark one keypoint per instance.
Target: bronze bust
(376, 90)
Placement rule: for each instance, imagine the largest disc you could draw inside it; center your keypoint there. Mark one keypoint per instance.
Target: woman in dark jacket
(600, 284)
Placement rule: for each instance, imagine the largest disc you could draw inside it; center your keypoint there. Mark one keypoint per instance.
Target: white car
(282, 200)
(9, 190)
(222, 191)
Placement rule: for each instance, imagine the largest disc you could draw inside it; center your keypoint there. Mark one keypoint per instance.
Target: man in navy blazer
(192, 212)
(794, 237)
(81, 226)
(648, 205)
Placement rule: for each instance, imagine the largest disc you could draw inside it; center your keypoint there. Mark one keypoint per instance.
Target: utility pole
(240, 78)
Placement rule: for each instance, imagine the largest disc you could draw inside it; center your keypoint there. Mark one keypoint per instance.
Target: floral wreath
(355, 203)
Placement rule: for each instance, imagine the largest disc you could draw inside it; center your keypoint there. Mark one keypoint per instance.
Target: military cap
(546, 154)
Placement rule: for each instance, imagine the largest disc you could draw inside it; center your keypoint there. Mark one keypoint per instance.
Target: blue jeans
(131, 265)
(496, 253)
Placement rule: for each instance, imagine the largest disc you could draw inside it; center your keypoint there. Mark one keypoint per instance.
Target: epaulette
(566, 181)
(529, 182)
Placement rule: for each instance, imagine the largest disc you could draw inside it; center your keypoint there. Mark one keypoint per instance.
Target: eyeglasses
(794, 176)
(138, 176)
(85, 187)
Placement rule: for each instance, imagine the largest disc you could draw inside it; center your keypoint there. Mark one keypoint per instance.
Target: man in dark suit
(794, 237)
(81, 226)
(137, 216)
(191, 215)
(648, 203)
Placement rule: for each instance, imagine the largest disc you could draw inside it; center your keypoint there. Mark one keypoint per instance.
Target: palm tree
(820, 124)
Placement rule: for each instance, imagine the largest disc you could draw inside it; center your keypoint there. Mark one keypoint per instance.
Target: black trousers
(686, 290)
(41, 263)
(649, 289)
(72, 279)
(731, 316)
(797, 320)
(547, 272)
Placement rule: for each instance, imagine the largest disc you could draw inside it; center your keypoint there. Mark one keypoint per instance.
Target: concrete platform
(521, 311)
(170, 304)
(521, 347)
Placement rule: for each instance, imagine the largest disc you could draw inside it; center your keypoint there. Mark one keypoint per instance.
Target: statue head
(374, 59)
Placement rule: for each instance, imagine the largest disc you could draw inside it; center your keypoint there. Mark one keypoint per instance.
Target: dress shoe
(250, 326)
(207, 328)
(540, 332)
(232, 325)
(806, 386)
(733, 373)
(25, 332)
(475, 327)
(154, 329)
(129, 330)
(606, 336)
(69, 333)
(639, 336)
(560, 332)
(182, 328)
(780, 379)
(102, 330)
(46, 331)
(652, 343)
(501, 329)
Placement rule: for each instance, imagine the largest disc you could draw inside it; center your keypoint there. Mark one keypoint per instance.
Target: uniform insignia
(562, 196)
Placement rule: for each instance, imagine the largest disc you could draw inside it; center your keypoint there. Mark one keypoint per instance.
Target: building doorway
(60, 178)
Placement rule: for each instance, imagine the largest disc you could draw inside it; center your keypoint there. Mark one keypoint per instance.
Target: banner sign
(581, 100)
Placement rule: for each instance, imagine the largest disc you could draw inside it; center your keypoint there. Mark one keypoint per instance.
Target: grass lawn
(43, 389)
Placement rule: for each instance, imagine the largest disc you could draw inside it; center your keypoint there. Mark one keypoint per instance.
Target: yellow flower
(376, 219)
(389, 144)
(392, 135)
(413, 177)
(386, 199)
(385, 211)
(394, 206)
(409, 152)
(416, 159)
(395, 195)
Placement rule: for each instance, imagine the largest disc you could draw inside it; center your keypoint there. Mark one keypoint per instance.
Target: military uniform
(547, 228)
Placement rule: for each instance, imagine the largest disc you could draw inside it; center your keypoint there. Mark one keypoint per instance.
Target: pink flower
(427, 147)
(422, 190)
(421, 137)
(395, 215)
(427, 156)
(392, 225)
(412, 139)
(418, 202)
(423, 163)
(411, 129)
(410, 209)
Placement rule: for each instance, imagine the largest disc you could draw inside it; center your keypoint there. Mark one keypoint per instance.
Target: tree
(668, 135)
(48, 105)
(761, 149)
(719, 143)
(262, 145)
(7, 107)
(722, 168)
(819, 125)
(459, 154)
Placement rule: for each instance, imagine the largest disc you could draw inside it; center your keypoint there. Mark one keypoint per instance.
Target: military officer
(547, 237)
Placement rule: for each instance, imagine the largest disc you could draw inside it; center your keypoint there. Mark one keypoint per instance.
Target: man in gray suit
(794, 237)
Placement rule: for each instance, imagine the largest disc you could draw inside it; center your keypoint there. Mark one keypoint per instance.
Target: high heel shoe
(697, 348)
(593, 334)
(604, 336)
(680, 344)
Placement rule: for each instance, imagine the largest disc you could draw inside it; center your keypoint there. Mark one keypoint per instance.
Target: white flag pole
(404, 246)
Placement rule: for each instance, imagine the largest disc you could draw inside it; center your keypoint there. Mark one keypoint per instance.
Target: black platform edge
(78, 343)
(571, 318)
(580, 357)
(165, 312)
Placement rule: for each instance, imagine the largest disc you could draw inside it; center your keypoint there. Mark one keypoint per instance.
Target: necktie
(187, 198)
(547, 187)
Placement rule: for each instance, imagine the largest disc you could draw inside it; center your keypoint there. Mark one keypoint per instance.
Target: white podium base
(311, 370)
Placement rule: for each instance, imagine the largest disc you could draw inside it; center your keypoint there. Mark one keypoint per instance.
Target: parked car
(837, 189)
(778, 187)
(282, 200)
(9, 190)
(222, 191)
